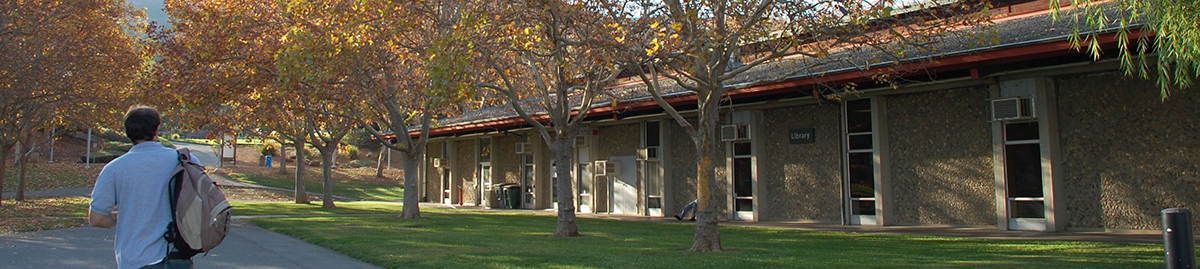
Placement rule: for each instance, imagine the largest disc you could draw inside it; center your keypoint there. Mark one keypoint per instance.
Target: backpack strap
(172, 190)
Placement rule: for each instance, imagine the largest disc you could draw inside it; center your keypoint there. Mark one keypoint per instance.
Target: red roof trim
(972, 60)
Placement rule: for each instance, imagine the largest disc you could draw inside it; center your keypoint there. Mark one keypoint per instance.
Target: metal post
(389, 165)
(88, 162)
(52, 134)
(1177, 238)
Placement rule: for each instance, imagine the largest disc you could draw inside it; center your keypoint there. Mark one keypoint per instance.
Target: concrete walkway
(247, 246)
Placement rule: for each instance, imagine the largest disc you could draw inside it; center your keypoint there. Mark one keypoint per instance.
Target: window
(485, 150)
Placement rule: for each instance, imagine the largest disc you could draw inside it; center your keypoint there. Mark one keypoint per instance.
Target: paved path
(209, 158)
(247, 246)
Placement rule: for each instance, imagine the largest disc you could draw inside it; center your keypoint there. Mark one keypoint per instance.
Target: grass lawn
(36, 214)
(478, 240)
(290, 208)
(379, 190)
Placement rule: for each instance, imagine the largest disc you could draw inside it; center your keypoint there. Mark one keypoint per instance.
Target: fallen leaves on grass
(252, 194)
(49, 176)
(42, 214)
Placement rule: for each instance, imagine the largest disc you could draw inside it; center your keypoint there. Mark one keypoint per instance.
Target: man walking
(136, 184)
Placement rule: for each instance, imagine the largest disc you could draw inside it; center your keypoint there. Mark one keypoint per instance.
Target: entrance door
(860, 163)
(584, 179)
(624, 185)
(743, 181)
(527, 180)
(1023, 176)
(485, 182)
(445, 185)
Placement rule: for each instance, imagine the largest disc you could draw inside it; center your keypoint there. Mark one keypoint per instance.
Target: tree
(66, 64)
(244, 64)
(413, 69)
(548, 61)
(1173, 37)
(702, 47)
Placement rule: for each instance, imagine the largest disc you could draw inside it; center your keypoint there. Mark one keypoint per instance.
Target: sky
(154, 9)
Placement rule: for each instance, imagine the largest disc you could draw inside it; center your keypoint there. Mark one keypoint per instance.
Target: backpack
(199, 212)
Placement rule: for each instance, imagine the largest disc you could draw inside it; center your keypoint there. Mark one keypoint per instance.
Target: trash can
(269, 160)
(512, 194)
(492, 196)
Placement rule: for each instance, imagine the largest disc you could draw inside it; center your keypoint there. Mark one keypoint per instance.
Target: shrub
(175, 137)
(270, 148)
(166, 143)
(116, 146)
(351, 151)
(112, 135)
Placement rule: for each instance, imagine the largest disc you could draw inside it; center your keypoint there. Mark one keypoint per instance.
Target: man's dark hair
(141, 123)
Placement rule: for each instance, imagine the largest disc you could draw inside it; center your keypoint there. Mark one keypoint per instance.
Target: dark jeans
(689, 207)
(171, 264)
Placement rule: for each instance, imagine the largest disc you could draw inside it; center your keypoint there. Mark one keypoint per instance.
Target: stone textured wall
(615, 141)
(433, 179)
(802, 182)
(543, 185)
(506, 164)
(1127, 154)
(682, 178)
(618, 140)
(941, 153)
(464, 170)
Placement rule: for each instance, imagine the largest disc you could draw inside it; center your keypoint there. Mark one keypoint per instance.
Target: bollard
(1177, 238)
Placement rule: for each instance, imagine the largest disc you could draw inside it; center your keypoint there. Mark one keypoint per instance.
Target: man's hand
(102, 221)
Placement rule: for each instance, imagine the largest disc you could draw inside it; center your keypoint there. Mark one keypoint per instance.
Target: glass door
(860, 163)
(485, 185)
(583, 178)
(743, 180)
(1023, 176)
(527, 180)
(651, 168)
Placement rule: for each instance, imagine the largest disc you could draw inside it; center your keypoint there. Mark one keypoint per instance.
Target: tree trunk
(561, 148)
(301, 194)
(21, 160)
(327, 175)
(282, 158)
(4, 151)
(412, 206)
(379, 164)
(707, 237)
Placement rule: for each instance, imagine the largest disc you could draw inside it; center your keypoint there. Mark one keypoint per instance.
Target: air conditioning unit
(648, 153)
(437, 162)
(580, 141)
(734, 132)
(1013, 108)
(600, 168)
(524, 148)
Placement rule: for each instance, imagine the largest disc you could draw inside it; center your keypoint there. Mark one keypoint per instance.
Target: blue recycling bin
(269, 160)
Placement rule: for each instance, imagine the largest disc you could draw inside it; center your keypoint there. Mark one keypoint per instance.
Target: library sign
(801, 136)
